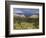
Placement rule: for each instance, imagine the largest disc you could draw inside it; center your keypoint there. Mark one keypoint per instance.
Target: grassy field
(26, 23)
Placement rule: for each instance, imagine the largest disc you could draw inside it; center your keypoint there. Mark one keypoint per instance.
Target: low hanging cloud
(19, 11)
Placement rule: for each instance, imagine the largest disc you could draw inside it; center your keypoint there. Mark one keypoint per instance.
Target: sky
(26, 11)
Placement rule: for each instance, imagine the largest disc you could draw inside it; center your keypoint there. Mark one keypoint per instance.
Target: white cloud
(26, 10)
(36, 12)
(18, 11)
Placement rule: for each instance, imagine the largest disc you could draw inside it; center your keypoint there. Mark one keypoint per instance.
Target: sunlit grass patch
(24, 25)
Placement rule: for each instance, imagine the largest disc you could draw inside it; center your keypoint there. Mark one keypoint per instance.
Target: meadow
(25, 23)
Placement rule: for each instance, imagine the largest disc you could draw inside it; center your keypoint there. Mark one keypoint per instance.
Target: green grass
(24, 23)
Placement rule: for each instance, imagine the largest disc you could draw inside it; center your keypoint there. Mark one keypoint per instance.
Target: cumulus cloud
(18, 11)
